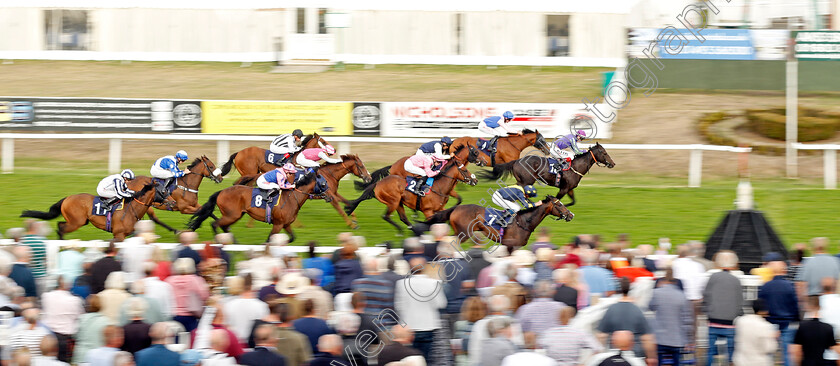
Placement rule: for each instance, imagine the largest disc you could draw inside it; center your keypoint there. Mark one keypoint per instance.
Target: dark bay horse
(235, 201)
(508, 148)
(392, 192)
(77, 210)
(531, 169)
(185, 194)
(469, 154)
(251, 160)
(466, 219)
(332, 172)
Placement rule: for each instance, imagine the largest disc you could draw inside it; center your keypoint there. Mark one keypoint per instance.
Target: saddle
(101, 208)
(261, 198)
(488, 147)
(276, 159)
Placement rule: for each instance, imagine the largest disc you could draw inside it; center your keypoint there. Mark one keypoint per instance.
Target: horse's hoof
(354, 226)
(177, 232)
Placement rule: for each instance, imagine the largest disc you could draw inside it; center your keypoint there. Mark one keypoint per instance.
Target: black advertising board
(367, 119)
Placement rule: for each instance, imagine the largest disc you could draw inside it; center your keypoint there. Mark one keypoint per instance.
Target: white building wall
(22, 29)
(504, 34)
(399, 32)
(597, 35)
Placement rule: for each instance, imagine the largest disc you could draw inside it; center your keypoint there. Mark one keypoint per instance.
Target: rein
(598, 163)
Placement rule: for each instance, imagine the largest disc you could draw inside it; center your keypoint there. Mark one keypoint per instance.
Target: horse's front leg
(151, 214)
(351, 223)
(455, 195)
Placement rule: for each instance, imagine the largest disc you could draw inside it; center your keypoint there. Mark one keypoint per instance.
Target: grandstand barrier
(695, 161)
(829, 161)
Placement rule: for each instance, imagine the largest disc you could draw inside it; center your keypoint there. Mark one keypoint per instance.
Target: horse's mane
(458, 149)
(349, 156)
(547, 199)
(194, 163)
(144, 190)
(528, 130)
(306, 140)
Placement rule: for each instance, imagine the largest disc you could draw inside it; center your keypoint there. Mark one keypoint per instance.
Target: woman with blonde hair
(113, 296)
(473, 310)
(164, 266)
(190, 293)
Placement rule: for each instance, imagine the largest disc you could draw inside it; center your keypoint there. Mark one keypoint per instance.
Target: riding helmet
(446, 140)
(581, 134)
(297, 133)
(127, 174)
(530, 191)
(508, 115)
(181, 155)
(329, 149)
(289, 168)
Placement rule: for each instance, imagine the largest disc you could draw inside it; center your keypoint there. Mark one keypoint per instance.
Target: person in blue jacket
(166, 167)
(515, 198)
(497, 126)
(439, 148)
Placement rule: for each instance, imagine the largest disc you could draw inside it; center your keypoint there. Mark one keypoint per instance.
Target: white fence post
(8, 155)
(695, 168)
(830, 168)
(222, 151)
(115, 156)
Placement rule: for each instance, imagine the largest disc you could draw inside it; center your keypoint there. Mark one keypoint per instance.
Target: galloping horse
(333, 172)
(392, 192)
(77, 210)
(235, 201)
(470, 154)
(251, 160)
(532, 168)
(466, 219)
(186, 189)
(508, 148)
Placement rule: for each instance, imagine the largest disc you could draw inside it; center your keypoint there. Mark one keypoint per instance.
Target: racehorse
(532, 168)
(508, 148)
(466, 219)
(235, 201)
(470, 154)
(392, 192)
(77, 210)
(333, 172)
(251, 160)
(185, 194)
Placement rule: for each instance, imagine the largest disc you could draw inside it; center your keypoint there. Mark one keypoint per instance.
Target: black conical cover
(748, 234)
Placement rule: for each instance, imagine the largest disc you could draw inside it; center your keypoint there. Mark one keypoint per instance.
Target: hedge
(813, 125)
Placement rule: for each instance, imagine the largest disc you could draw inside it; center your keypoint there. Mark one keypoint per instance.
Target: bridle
(464, 176)
(598, 163)
(210, 175)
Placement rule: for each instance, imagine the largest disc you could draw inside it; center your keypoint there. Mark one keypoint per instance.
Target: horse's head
(205, 167)
(356, 167)
(475, 156)
(558, 209)
(313, 140)
(536, 138)
(601, 156)
(464, 174)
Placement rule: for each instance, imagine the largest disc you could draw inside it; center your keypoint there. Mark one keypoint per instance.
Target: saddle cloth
(484, 146)
(495, 220)
(276, 159)
(259, 199)
(99, 207)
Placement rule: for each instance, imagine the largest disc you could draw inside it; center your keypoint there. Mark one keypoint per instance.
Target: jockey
(514, 198)
(167, 167)
(498, 127)
(422, 165)
(114, 188)
(275, 180)
(439, 148)
(558, 150)
(309, 157)
(286, 144)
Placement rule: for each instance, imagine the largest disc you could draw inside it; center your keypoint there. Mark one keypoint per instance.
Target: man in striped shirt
(38, 248)
(378, 291)
(27, 335)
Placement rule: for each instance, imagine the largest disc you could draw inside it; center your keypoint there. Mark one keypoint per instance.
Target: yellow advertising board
(272, 118)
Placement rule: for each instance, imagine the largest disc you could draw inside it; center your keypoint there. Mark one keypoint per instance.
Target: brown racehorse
(235, 201)
(332, 172)
(251, 160)
(466, 219)
(470, 154)
(392, 192)
(186, 190)
(77, 208)
(531, 169)
(508, 148)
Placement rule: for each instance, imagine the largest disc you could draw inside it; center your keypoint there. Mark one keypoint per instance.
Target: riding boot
(111, 202)
(564, 165)
(492, 144)
(272, 194)
(509, 215)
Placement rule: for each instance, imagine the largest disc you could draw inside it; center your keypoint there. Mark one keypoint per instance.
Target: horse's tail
(229, 164)
(441, 216)
(374, 177)
(247, 180)
(55, 211)
(351, 205)
(204, 212)
(499, 171)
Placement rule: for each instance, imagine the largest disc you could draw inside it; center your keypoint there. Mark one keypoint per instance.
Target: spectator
(366, 322)
(796, 258)
(91, 327)
(820, 266)
(330, 354)
(565, 344)
(499, 306)
(399, 348)
(478, 261)
(755, 337)
(243, 308)
(472, 311)
(698, 252)
(273, 318)
(263, 266)
(599, 280)
(184, 249)
(813, 337)
(264, 354)
(418, 300)
(157, 354)
(347, 269)
(690, 273)
(543, 241)
(49, 353)
(218, 249)
(498, 345)
(723, 300)
(21, 273)
(525, 275)
(153, 313)
(674, 320)
(624, 315)
(269, 291)
(765, 272)
(412, 248)
(645, 251)
(81, 287)
(311, 326)
(137, 250)
(378, 291)
(347, 326)
(190, 293)
(27, 334)
(324, 264)
(431, 248)
(136, 332)
(34, 239)
(322, 300)
(159, 291)
(70, 262)
(510, 288)
(232, 347)
(543, 267)
(634, 270)
(163, 264)
(830, 312)
(573, 253)
(621, 353)
(455, 271)
(219, 344)
(61, 315)
(565, 293)
(104, 356)
(293, 345)
(100, 269)
(542, 313)
(780, 296)
(113, 296)
(123, 358)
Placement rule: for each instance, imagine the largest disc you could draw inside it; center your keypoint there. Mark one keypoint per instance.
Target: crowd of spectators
(433, 303)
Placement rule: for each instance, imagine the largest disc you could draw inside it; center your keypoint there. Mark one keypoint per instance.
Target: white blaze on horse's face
(217, 172)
